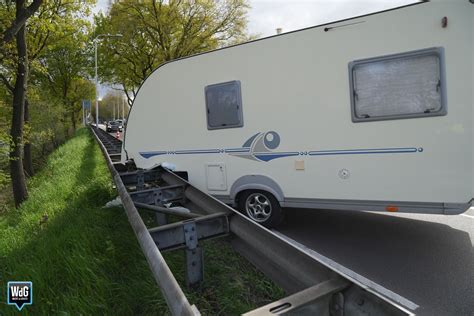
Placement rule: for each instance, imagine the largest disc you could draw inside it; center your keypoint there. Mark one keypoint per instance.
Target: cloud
(267, 15)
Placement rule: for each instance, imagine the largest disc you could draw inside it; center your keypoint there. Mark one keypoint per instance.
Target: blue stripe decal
(237, 150)
(363, 151)
(271, 156)
(149, 154)
(267, 156)
(267, 142)
(249, 141)
(197, 151)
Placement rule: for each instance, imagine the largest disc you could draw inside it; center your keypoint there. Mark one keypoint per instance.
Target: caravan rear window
(398, 86)
(224, 105)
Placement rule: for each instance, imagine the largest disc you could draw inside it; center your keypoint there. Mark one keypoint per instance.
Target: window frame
(239, 99)
(436, 51)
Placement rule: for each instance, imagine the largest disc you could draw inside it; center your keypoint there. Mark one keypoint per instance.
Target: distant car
(114, 126)
(121, 123)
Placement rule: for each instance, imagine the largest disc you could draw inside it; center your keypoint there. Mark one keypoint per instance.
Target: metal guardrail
(174, 296)
(315, 288)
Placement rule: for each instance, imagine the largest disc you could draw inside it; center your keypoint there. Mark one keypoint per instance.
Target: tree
(81, 89)
(21, 16)
(5, 114)
(18, 30)
(52, 25)
(112, 103)
(64, 64)
(64, 71)
(9, 57)
(158, 31)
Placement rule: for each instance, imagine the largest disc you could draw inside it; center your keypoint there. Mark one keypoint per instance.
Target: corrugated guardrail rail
(314, 288)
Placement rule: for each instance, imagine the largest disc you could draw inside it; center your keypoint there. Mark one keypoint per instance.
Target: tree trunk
(20, 192)
(73, 119)
(65, 126)
(27, 158)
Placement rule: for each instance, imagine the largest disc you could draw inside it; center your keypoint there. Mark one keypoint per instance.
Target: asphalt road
(119, 135)
(427, 259)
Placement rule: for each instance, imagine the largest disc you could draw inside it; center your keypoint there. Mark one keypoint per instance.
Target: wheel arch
(256, 182)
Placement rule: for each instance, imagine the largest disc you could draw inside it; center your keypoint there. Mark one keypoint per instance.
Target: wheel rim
(258, 207)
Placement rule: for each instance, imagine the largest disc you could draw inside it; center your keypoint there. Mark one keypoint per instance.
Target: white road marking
(365, 283)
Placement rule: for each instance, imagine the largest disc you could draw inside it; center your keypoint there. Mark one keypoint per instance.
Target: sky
(265, 16)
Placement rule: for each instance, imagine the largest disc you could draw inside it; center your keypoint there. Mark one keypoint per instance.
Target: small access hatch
(216, 177)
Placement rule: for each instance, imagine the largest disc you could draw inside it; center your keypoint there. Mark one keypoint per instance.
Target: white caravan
(369, 113)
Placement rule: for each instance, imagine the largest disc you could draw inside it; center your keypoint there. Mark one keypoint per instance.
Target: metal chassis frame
(316, 287)
(187, 234)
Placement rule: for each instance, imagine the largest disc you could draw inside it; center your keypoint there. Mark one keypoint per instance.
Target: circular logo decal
(271, 140)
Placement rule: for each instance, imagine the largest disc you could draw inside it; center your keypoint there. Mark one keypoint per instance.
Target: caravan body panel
(299, 139)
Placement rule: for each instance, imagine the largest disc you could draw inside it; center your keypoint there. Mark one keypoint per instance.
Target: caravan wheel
(261, 207)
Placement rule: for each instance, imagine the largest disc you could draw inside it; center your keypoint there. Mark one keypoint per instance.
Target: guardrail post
(161, 218)
(140, 180)
(194, 261)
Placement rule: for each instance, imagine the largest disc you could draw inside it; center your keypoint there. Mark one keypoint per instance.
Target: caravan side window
(398, 86)
(224, 105)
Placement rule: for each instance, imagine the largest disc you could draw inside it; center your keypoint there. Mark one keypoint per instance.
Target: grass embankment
(85, 259)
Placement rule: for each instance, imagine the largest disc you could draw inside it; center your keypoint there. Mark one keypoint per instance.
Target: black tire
(261, 207)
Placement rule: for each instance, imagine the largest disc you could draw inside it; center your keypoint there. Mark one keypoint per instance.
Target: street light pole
(96, 40)
(96, 85)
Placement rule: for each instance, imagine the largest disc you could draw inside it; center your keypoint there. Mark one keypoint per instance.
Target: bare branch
(7, 83)
(20, 20)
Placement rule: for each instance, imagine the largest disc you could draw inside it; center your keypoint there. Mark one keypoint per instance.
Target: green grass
(85, 259)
